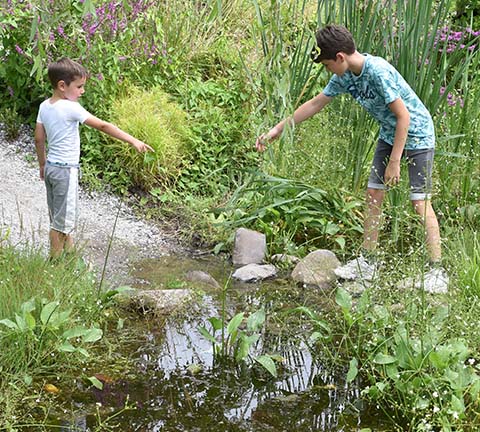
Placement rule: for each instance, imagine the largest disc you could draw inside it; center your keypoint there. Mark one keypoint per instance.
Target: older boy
(406, 130)
(57, 122)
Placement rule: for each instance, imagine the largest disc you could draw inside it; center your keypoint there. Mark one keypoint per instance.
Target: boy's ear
(61, 85)
(340, 56)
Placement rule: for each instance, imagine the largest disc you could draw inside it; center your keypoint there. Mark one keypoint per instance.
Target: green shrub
(154, 118)
(11, 123)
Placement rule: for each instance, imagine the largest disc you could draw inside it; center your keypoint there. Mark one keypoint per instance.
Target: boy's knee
(375, 196)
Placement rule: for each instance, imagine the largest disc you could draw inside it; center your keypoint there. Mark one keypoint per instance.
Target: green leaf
(384, 359)
(256, 320)
(75, 332)
(352, 370)
(21, 323)
(217, 323)
(67, 347)
(267, 362)
(9, 324)
(28, 306)
(48, 311)
(27, 379)
(343, 299)
(93, 335)
(96, 382)
(83, 351)
(206, 334)
(235, 323)
(30, 320)
(243, 348)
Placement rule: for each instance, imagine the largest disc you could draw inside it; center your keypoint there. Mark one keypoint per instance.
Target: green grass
(49, 320)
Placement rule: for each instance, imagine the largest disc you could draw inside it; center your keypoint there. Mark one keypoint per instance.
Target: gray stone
(160, 302)
(254, 272)
(250, 247)
(317, 268)
(198, 276)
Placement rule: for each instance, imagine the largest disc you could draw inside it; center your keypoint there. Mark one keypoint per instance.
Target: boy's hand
(42, 172)
(141, 146)
(262, 140)
(392, 173)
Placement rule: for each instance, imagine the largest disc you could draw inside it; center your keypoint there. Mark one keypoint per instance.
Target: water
(176, 385)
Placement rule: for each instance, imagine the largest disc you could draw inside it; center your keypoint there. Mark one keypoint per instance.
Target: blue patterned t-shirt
(378, 85)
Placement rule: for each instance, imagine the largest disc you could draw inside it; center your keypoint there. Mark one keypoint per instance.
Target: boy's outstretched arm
(40, 139)
(116, 132)
(303, 112)
(392, 172)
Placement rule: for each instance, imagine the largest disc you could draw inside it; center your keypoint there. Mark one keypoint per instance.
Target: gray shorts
(420, 163)
(61, 182)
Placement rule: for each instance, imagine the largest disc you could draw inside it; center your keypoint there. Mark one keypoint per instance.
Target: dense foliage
(232, 69)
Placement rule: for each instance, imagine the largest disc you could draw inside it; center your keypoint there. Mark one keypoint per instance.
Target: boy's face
(74, 90)
(338, 66)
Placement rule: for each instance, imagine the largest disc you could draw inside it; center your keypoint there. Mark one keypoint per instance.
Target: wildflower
(18, 49)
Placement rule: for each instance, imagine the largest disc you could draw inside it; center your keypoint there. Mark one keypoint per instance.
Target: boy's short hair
(331, 40)
(65, 70)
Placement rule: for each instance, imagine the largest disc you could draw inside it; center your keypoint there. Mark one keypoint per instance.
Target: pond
(176, 384)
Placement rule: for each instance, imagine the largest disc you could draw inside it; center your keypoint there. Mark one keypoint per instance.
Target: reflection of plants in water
(235, 342)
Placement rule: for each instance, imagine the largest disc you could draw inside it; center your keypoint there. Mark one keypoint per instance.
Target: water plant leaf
(343, 299)
(28, 306)
(21, 323)
(67, 347)
(352, 370)
(9, 323)
(256, 320)
(27, 379)
(235, 323)
(93, 335)
(30, 320)
(267, 362)
(95, 382)
(75, 332)
(47, 311)
(206, 334)
(83, 351)
(384, 359)
(217, 323)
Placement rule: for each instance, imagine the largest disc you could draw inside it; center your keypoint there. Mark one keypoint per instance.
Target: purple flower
(10, 91)
(61, 31)
(19, 50)
(100, 76)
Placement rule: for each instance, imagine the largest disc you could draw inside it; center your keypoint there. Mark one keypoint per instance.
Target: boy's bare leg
(371, 225)
(60, 242)
(425, 210)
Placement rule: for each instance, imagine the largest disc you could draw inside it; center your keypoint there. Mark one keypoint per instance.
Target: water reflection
(165, 396)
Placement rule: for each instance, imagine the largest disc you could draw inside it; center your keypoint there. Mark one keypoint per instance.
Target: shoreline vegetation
(219, 73)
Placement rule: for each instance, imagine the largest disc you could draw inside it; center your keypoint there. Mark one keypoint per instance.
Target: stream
(174, 383)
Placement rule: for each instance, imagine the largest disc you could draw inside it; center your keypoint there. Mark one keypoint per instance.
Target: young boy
(57, 122)
(406, 130)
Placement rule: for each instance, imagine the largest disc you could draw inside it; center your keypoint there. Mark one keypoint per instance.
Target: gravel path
(24, 215)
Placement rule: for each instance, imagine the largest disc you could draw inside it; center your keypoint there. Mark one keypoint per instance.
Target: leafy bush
(11, 123)
(154, 118)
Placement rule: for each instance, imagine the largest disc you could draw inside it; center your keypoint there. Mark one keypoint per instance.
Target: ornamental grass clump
(154, 118)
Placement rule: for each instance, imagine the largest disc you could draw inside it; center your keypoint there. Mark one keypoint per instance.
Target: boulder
(317, 269)
(198, 276)
(254, 272)
(160, 302)
(250, 247)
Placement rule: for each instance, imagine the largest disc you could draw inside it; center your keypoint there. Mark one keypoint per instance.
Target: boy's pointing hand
(141, 147)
